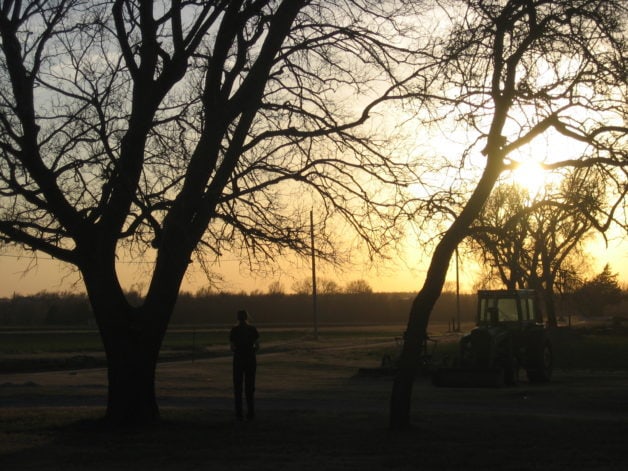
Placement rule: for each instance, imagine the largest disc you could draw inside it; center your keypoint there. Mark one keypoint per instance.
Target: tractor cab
(508, 306)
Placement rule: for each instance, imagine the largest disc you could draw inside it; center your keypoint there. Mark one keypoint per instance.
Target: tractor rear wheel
(541, 363)
(511, 371)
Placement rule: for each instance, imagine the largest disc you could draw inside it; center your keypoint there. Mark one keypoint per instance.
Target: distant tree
(499, 236)
(178, 130)
(358, 287)
(531, 241)
(203, 292)
(603, 290)
(323, 286)
(327, 286)
(303, 286)
(508, 73)
(275, 288)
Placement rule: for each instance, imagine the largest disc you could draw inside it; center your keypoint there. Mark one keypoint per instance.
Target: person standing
(244, 340)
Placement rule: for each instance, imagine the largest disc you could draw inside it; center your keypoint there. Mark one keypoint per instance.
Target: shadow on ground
(191, 439)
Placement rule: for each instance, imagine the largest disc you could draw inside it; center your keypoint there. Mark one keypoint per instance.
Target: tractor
(509, 336)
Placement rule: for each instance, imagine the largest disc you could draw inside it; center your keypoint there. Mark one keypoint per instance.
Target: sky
(26, 275)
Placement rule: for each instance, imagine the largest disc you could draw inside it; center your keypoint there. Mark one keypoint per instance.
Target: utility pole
(457, 329)
(314, 300)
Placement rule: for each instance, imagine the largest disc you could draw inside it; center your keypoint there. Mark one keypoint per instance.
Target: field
(316, 412)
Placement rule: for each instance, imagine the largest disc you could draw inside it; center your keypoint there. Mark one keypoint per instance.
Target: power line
(128, 262)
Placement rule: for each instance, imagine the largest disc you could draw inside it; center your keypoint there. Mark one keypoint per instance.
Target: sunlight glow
(531, 176)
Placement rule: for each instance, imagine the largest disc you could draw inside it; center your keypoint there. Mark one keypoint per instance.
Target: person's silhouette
(244, 340)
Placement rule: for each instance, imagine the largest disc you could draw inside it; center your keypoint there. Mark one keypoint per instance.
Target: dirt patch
(315, 412)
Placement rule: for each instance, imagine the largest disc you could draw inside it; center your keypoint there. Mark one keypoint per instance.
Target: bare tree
(323, 286)
(177, 130)
(529, 241)
(499, 236)
(327, 286)
(303, 286)
(276, 289)
(511, 72)
(358, 287)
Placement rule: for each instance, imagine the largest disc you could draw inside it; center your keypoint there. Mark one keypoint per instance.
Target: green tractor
(509, 336)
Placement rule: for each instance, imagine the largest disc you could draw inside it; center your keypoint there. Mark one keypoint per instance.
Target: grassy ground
(314, 440)
(315, 412)
(42, 350)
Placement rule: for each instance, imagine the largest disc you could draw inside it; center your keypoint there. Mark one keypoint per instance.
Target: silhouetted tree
(510, 72)
(275, 288)
(499, 236)
(326, 286)
(597, 293)
(529, 241)
(303, 286)
(358, 287)
(176, 130)
(323, 286)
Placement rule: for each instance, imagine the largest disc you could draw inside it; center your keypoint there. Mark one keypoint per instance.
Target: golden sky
(26, 275)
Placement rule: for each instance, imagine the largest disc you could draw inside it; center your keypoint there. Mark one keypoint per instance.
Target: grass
(315, 413)
(594, 352)
(89, 341)
(56, 341)
(54, 349)
(305, 439)
(49, 342)
(310, 440)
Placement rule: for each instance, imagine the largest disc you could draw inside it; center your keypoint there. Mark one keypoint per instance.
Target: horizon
(26, 274)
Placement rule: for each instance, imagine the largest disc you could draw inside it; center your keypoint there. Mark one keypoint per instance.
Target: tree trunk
(400, 399)
(131, 361)
(132, 339)
(416, 333)
(416, 336)
(550, 307)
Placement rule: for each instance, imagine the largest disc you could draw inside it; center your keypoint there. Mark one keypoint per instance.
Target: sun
(530, 175)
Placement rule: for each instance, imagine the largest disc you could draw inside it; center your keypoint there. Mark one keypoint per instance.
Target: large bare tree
(512, 72)
(177, 130)
(530, 240)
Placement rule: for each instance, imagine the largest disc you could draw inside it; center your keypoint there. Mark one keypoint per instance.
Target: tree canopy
(509, 74)
(595, 294)
(143, 123)
(535, 241)
(178, 130)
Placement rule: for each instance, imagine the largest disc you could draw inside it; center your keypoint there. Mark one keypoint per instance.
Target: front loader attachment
(468, 377)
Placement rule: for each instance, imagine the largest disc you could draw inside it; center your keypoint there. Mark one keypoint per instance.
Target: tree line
(597, 297)
(210, 309)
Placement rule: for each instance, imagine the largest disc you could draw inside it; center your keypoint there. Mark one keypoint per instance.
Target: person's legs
(238, 377)
(249, 387)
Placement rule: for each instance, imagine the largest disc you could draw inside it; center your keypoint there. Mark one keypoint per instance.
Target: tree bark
(414, 341)
(131, 361)
(132, 337)
(416, 333)
(550, 306)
